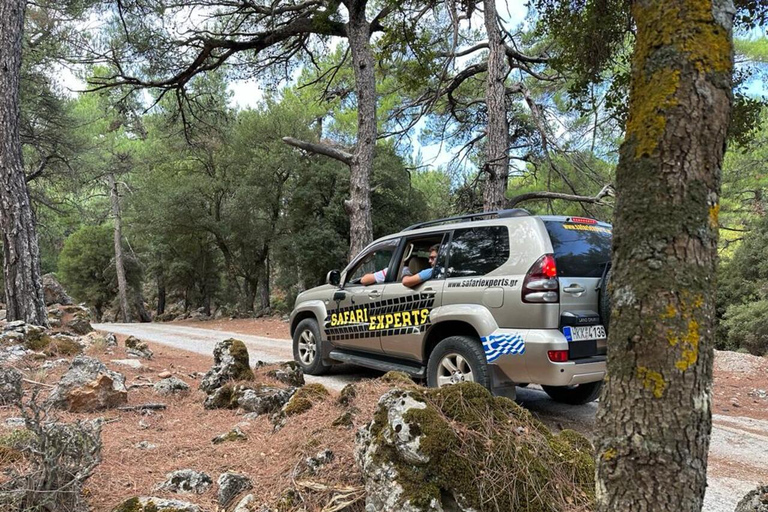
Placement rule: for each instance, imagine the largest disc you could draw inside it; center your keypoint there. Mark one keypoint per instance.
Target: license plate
(586, 332)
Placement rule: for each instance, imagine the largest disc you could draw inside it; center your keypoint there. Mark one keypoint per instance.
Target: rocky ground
(272, 443)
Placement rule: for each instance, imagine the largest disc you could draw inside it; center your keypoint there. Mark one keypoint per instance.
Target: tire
(604, 299)
(466, 355)
(308, 348)
(575, 395)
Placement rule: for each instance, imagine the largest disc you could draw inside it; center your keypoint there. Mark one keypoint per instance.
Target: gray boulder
(10, 385)
(236, 434)
(135, 347)
(755, 501)
(289, 373)
(230, 362)
(54, 292)
(255, 398)
(246, 504)
(79, 324)
(152, 504)
(230, 486)
(88, 385)
(170, 386)
(111, 340)
(186, 481)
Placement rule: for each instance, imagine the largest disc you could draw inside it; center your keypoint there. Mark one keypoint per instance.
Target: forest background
(218, 216)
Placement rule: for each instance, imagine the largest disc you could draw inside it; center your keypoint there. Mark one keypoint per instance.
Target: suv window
(378, 258)
(581, 250)
(478, 251)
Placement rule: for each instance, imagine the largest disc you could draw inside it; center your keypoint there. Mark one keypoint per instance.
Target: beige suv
(513, 299)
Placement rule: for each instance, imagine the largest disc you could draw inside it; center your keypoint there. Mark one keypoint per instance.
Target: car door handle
(574, 289)
(374, 294)
(428, 291)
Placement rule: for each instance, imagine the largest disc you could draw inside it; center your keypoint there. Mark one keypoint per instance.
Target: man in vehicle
(409, 278)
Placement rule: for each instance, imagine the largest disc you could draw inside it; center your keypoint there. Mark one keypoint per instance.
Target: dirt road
(738, 458)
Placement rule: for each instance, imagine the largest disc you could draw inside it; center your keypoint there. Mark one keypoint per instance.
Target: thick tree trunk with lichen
(496, 165)
(654, 416)
(358, 206)
(21, 264)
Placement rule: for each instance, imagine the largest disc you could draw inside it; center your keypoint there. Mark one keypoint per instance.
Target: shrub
(747, 326)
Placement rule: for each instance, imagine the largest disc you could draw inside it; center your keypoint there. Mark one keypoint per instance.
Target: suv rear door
(582, 249)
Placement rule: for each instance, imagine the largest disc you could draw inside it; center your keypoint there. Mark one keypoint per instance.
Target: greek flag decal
(496, 345)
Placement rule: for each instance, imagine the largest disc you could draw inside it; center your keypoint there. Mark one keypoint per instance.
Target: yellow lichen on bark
(683, 27)
(652, 380)
(689, 337)
(651, 99)
(714, 215)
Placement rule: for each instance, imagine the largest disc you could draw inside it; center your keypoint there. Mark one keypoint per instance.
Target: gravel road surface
(738, 458)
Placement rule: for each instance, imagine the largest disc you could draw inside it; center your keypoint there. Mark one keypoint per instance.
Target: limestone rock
(230, 486)
(22, 333)
(79, 324)
(10, 385)
(50, 365)
(170, 386)
(230, 362)
(186, 481)
(145, 445)
(441, 437)
(133, 363)
(15, 422)
(257, 399)
(319, 460)
(152, 504)
(755, 501)
(236, 434)
(289, 373)
(111, 339)
(88, 386)
(12, 353)
(246, 504)
(135, 347)
(54, 292)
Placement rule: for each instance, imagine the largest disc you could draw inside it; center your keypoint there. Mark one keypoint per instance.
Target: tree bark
(161, 290)
(21, 269)
(122, 283)
(358, 206)
(496, 164)
(654, 418)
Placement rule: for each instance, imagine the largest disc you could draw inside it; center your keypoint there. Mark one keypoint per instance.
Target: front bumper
(532, 365)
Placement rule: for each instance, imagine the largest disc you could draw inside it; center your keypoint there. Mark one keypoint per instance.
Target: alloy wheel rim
(453, 369)
(307, 347)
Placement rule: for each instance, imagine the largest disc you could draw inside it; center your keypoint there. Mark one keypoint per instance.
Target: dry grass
(184, 431)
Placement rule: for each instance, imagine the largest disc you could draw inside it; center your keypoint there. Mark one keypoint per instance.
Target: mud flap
(500, 383)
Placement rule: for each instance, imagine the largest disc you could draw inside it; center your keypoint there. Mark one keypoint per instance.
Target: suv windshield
(581, 250)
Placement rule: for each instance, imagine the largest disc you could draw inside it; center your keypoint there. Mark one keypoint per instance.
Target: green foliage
(86, 266)
(746, 326)
(742, 299)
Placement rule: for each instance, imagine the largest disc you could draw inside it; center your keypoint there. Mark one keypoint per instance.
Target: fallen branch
(144, 407)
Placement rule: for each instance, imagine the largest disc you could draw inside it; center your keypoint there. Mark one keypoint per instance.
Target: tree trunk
(497, 131)
(122, 283)
(264, 288)
(654, 418)
(23, 281)
(161, 291)
(358, 206)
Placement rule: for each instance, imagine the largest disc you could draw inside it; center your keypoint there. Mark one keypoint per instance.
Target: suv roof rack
(501, 214)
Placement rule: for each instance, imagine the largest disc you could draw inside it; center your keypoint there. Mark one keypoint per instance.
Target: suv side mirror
(333, 277)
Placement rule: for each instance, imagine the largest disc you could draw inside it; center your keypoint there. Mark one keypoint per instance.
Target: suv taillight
(540, 284)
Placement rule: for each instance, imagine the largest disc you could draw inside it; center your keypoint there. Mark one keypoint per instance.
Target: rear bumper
(533, 364)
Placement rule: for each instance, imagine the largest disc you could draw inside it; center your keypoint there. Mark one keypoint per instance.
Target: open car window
(378, 258)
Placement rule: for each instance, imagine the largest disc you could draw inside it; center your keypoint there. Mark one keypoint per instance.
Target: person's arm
(417, 279)
(373, 278)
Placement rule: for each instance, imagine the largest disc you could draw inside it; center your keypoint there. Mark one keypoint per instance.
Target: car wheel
(457, 359)
(307, 348)
(575, 395)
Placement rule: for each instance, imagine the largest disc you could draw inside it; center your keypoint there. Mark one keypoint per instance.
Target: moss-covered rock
(400, 378)
(230, 362)
(347, 395)
(150, 504)
(236, 434)
(345, 420)
(459, 447)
